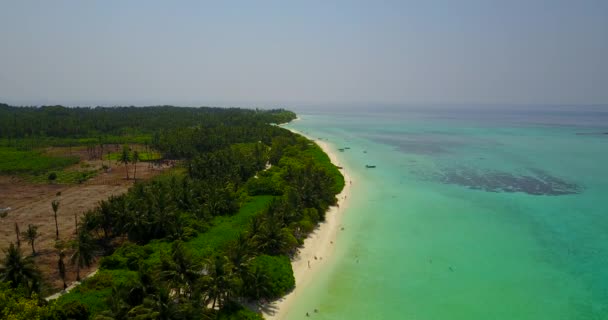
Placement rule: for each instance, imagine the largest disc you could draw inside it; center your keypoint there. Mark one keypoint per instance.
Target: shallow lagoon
(467, 216)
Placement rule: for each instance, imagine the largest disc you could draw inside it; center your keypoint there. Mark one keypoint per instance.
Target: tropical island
(173, 213)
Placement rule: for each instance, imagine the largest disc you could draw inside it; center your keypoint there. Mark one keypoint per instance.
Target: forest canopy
(78, 122)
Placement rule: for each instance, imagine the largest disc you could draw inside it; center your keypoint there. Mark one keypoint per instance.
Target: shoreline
(318, 247)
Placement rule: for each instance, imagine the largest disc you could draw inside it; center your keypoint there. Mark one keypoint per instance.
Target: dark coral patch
(537, 182)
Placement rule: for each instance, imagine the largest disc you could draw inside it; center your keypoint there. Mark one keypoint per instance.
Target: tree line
(59, 121)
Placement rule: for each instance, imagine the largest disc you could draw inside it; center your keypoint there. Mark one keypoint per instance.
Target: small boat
(369, 166)
(346, 148)
(341, 150)
(339, 167)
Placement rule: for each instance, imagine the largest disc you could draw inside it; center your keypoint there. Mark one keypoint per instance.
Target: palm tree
(219, 282)
(19, 270)
(273, 239)
(55, 206)
(240, 254)
(134, 161)
(17, 232)
(255, 284)
(107, 217)
(180, 269)
(83, 252)
(125, 159)
(75, 222)
(31, 234)
(101, 150)
(118, 308)
(161, 305)
(164, 304)
(61, 267)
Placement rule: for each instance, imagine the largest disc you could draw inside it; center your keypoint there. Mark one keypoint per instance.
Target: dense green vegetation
(92, 123)
(37, 142)
(26, 131)
(143, 156)
(196, 243)
(271, 275)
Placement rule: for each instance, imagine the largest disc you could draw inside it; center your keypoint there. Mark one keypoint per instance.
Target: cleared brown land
(31, 204)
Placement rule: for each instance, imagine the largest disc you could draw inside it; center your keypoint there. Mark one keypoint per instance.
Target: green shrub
(188, 233)
(290, 240)
(306, 225)
(52, 176)
(274, 274)
(113, 262)
(128, 256)
(195, 224)
(264, 185)
(96, 282)
(94, 291)
(76, 310)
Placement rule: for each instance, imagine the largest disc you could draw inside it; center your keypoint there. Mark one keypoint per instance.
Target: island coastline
(319, 247)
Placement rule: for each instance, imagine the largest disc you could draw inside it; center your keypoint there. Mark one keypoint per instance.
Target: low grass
(94, 291)
(63, 176)
(40, 142)
(223, 230)
(143, 156)
(14, 161)
(226, 229)
(37, 166)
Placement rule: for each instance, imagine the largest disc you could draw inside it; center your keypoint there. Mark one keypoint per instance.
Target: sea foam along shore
(320, 243)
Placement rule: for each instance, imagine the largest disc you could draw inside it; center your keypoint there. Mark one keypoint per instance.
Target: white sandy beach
(319, 244)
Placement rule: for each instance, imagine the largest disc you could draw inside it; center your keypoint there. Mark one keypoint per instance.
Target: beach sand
(320, 244)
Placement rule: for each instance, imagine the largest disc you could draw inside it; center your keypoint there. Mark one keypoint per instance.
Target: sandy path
(319, 244)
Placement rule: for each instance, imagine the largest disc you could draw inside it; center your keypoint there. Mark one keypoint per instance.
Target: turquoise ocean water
(469, 214)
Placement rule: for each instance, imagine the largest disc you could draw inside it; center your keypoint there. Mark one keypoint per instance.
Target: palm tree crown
(125, 158)
(19, 270)
(134, 161)
(31, 234)
(83, 255)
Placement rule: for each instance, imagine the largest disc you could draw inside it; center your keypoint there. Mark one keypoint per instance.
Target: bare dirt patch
(30, 203)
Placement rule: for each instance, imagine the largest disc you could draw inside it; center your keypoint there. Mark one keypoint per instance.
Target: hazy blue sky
(254, 53)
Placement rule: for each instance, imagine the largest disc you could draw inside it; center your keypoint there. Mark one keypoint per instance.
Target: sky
(304, 53)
